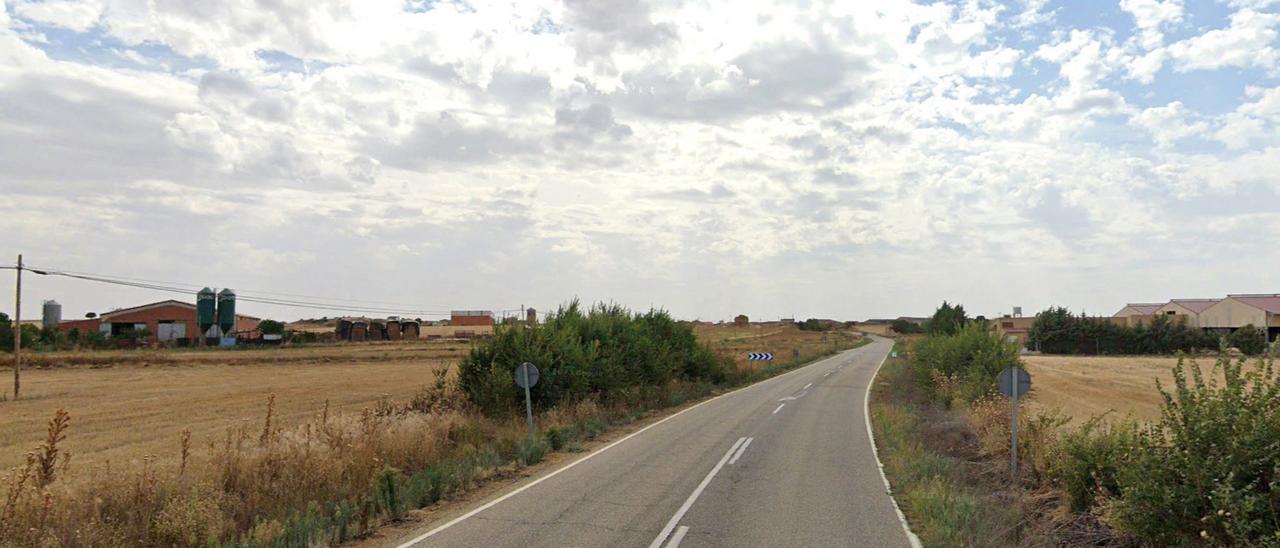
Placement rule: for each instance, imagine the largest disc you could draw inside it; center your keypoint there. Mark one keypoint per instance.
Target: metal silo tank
(227, 310)
(206, 314)
(52, 313)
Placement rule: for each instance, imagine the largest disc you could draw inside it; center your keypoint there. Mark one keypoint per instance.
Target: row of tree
(1058, 331)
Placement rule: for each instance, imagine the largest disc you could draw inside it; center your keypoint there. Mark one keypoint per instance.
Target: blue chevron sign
(760, 356)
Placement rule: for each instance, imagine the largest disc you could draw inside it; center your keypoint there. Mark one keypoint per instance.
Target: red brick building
(165, 320)
(470, 317)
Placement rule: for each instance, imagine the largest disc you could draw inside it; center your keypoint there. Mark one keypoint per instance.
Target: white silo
(52, 313)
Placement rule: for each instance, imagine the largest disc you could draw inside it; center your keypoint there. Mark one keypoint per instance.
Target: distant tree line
(1058, 331)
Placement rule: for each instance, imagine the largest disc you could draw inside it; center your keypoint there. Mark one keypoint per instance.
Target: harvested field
(1085, 386)
(784, 343)
(128, 404)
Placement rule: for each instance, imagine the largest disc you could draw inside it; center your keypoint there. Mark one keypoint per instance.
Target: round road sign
(526, 370)
(1007, 379)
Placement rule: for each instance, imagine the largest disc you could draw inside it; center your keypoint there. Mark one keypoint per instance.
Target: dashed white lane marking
(688, 503)
(806, 387)
(679, 536)
(828, 373)
(780, 406)
(742, 449)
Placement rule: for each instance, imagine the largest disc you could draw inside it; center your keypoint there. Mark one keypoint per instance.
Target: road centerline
(780, 406)
(678, 537)
(741, 449)
(693, 497)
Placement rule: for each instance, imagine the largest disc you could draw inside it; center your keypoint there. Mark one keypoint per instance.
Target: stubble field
(129, 405)
(1086, 386)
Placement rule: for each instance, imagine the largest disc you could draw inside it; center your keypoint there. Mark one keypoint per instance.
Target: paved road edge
(517, 490)
(888, 489)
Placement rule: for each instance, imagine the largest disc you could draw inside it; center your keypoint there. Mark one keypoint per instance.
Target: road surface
(785, 462)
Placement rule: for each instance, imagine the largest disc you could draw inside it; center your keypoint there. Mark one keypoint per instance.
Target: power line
(181, 288)
(256, 293)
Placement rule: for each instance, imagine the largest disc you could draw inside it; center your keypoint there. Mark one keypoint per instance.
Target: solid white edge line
(888, 489)
(678, 537)
(741, 450)
(780, 406)
(521, 489)
(693, 497)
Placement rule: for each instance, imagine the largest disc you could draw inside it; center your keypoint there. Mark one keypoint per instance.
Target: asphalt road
(785, 462)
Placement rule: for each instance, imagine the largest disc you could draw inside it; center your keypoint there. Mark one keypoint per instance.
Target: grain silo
(227, 311)
(206, 314)
(52, 313)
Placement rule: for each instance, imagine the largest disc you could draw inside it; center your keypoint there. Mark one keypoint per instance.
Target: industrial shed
(1186, 310)
(1237, 311)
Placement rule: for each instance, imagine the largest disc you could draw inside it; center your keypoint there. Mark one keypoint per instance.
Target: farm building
(1237, 311)
(1014, 329)
(166, 321)
(471, 318)
(1134, 314)
(1187, 310)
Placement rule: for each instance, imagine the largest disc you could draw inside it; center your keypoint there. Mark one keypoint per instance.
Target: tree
(947, 320)
(1250, 340)
(742, 320)
(271, 327)
(6, 333)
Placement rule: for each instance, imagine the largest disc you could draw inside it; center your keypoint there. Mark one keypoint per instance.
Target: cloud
(79, 16)
(1249, 41)
(1151, 16)
(588, 123)
(686, 154)
(1169, 123)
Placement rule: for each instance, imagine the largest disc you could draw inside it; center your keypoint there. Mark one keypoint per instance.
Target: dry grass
(784, 343)
(1086, 386)
(128, 405)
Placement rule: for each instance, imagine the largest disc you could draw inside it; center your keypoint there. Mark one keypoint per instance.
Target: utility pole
(17, 332)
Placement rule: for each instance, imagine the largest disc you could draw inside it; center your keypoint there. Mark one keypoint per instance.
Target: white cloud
(78, 16)
(1249, 41)
(1151, 16)
(1169, 123)
(685, 154)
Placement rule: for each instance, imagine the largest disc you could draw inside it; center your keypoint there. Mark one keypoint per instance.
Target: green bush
(1208, 472)
(905, 327)
(606, 353)
(1249, 340)
(973, 357)
(532, 450)
(1088, 460)
(271, 327)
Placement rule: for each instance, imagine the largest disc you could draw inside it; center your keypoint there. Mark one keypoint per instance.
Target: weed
(532, 450)
(47, 455)
(388, 492)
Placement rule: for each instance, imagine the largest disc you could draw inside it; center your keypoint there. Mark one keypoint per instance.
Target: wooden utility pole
(17, 333)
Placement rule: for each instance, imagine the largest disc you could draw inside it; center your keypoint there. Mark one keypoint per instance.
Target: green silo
(227, 311)
(205, 309)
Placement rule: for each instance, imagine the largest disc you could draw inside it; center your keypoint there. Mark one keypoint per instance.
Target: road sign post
(527, 376)
(1014, 381)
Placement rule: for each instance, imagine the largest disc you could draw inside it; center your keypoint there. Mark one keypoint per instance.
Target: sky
(808, 159)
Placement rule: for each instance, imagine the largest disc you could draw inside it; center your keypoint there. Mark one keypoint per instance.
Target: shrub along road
(786, 461)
